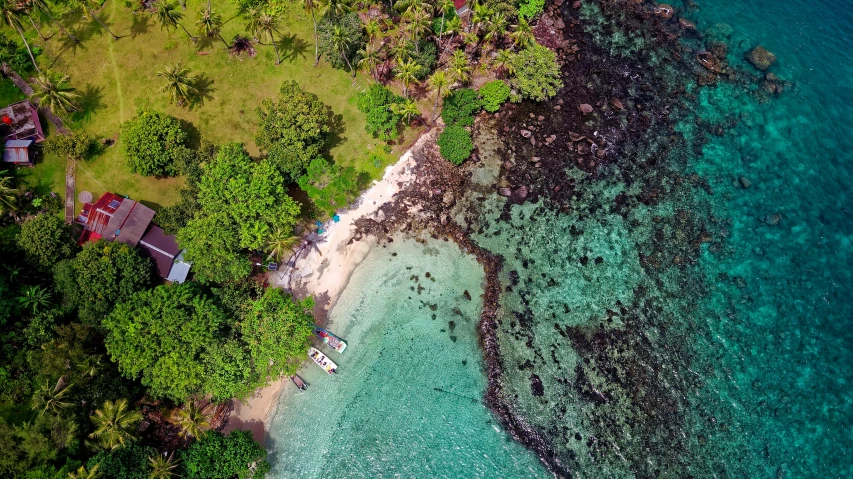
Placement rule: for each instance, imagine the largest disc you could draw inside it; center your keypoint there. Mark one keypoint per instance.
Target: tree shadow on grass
(204, 87)
(193, 135)
(290, 47)
(90, 102)
(141, 25)
(336, 137)
(41, 186)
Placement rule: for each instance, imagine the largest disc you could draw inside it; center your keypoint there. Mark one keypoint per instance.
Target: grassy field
(118, 78)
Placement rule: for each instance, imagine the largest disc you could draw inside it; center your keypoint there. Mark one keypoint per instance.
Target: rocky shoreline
(601, 123)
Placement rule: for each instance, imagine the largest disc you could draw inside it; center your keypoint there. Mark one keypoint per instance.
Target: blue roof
(18, 143)
(180, 270)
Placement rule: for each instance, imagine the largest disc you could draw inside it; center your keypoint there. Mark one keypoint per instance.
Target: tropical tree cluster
(151, 142)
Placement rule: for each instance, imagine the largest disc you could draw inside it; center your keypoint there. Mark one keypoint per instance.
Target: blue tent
(336, 218)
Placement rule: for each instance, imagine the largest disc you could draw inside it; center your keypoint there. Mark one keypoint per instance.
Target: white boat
(331, 340)
(322, 360)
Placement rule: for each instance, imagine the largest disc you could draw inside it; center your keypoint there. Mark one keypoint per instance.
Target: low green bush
(376, 103)
(459, 107)
(493, 94)
(455, 144)
(530, 8)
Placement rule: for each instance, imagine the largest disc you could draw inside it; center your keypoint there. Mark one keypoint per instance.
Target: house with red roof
(20, 129)
(117, 218)
(461, 7)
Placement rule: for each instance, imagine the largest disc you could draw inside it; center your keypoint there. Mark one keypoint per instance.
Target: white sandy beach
(323, 273)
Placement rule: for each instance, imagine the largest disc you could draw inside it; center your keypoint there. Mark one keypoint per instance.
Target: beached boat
(298, 382)
(322, 360)
(333, 341)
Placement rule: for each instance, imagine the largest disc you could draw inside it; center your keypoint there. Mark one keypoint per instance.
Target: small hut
(17, 152)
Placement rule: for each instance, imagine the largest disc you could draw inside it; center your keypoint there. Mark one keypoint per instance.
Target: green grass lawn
(118, 78)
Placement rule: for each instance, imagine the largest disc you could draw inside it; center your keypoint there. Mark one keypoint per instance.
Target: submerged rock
(773, 219)
(585, 108)
(760, 58)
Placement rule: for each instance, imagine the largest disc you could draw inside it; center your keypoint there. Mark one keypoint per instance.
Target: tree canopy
(537, 74)
(375, 103)
(293, 129)
(216, 456)
(151, 141)
(46, 239)
(329, 186)
(162, 336)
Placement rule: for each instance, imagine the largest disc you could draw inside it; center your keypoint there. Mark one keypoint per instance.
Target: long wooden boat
(298, 382)
(321, 360)
(330, 339)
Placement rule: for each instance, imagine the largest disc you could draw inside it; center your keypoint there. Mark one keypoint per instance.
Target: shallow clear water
(407, 399)
(637, 356)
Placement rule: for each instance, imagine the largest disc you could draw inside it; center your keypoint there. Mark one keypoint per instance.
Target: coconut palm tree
(341, 42)
(310, 7)
(460, 71)
(438, 82)
(54, 399)
(55, 93)
(35, 297)
(443, 6)
(210, 24)
(13, 13)
(87, 6)
(82, 473)
(480, 14)
(417, 23)
(280, 242)
(333, 8)
(503, 61)
(406, 72)
(8, 194)
(522, 34)
(42, 7)
(373, 30)
(495, 28)
(162, 467)
(265, 26)
(191, 420)
(179, 84)
(115, 425)
(369, 59)
(407, 109)
(169, 16)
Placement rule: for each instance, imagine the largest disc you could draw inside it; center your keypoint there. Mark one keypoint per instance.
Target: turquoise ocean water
(702, 330)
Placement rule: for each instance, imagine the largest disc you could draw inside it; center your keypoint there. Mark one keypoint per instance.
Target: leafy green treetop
(329, 186)
(213, 247)
(216, 456)
(46, 240)
(537, 74)
(382, 121)
(151, 141)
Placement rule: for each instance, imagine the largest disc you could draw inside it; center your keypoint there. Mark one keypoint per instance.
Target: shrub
(426, 58)
(530, 8)
(459, 107)
(493, 94)
(537, 74)
(151, 141)
(455, 144)
(376, 103)
(216, 456)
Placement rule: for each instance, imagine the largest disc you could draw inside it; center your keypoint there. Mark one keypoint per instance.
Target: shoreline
(323, 273)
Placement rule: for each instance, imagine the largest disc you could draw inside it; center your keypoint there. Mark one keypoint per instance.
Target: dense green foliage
(530, 8)
(162, 337)
(128, 462)
(214, 249)
(216, 456)
(151, 142)
(74, 147)
(455, 144)
(537, 74)
(425, 57)
(101, 275)
(46, 239)
(35, 442)
(293, 129)
(382, 121)
(16, 56)
(460, 107)
(329, 186)
(494, 94)
(277, 332)
(349, 27)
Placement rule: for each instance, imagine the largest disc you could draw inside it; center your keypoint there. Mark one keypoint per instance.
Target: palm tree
(407, 109)
(437, 82)
(55, 93)
(52, 399)
(115, 425)
(8, 194)
(310, 6)
(373, 30)
(522, 35)
(280, 242)
(460, 71)
(210, 23)
(406, 72)
(480, 13)
(169, 16)
(13, 12)
(191, 420)
(370, 59)
(86, 6)
(443, 6)
(418, 22)
(503, 60)
(162, 467)
(264, 25)
(341, 42)
(82, 473)
(179, 84)
(42, 7)
(496, 28)
(35, 297)
(333, 8)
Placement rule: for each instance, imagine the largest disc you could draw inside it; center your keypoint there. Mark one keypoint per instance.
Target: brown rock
(526, 133)
(576, 5)
(664, 10)
(520, 193)
(617, 104)
(760, 58)
(686, 24)
(535, 159)
(576, 137)
(773, 219)
(505, 192)
(585, 108)
(744, 181)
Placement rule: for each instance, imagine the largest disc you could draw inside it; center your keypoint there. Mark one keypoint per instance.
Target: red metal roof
(459, 3)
